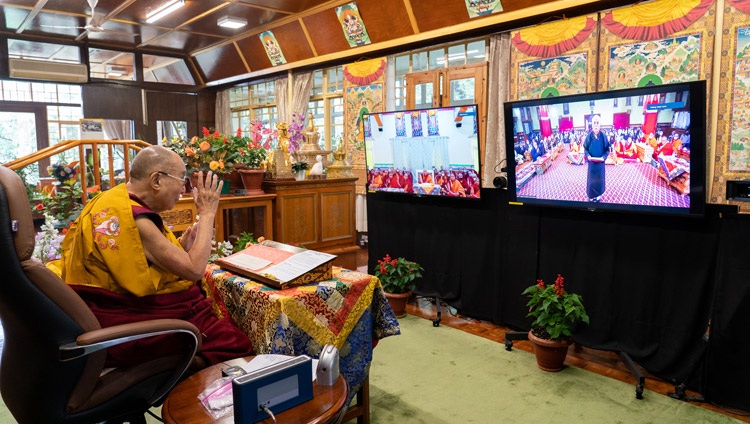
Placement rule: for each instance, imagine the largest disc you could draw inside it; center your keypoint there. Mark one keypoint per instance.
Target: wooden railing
(83, 147)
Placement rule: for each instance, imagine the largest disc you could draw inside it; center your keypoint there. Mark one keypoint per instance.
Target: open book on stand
(279, 265)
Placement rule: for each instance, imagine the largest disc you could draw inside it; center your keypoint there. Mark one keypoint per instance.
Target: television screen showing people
(628, 149)
(427, 152)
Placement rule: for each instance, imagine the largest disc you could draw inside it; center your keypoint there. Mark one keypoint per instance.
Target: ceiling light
(231, 22)
(116, 71)
(163, 10)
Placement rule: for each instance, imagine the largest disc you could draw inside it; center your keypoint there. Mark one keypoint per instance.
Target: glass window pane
(402, 65)
(337, 122)
(476, 52)
(165, 69)
(423, 95)
(437, 59)
(462, 92)
(456, 55)
(419, 62)
(317, 85)
(170, 129)
(111, 64)
(12, 124)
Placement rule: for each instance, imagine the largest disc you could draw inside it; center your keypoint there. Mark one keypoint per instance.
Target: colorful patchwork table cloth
(349, 311)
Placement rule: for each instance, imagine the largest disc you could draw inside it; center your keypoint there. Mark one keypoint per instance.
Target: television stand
(640, 379)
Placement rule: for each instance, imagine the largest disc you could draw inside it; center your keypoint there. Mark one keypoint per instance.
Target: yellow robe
(103, 248)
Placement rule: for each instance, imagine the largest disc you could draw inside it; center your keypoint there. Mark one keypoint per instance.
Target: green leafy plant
(555, 311)
(243, 240)
(397, 275)
(299, 166)
(64, 205)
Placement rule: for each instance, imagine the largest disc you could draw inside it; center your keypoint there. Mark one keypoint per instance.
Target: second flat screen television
(638, 150)
(427, 152)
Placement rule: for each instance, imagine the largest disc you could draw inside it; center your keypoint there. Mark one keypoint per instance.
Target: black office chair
(52, 367)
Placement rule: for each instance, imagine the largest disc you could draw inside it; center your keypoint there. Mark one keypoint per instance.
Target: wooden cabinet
(235, 214)
(318, 214)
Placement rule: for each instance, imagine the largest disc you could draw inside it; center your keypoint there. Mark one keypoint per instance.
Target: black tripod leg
(436, 321)
(639, 377)
(514, 335)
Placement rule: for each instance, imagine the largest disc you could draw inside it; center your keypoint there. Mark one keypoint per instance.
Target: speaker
(500, 182)
(328, 366)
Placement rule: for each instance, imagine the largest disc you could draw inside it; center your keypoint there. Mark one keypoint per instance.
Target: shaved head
(152, 159)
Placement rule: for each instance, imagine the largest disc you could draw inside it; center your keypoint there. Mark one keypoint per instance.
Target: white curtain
(223, 113)
(282, 100)
(302, 84)
(115, 129)
(498, 83)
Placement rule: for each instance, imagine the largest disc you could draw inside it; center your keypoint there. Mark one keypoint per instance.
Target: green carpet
(435, 375)
(442, 375)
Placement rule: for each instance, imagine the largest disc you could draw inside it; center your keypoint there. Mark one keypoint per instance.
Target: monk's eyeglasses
(183, 179)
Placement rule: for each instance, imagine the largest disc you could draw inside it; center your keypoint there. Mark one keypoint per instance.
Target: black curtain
(647, 280)
(727, 365)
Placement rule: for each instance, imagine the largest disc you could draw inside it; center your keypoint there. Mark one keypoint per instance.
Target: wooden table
(183, 407)
(184, 212)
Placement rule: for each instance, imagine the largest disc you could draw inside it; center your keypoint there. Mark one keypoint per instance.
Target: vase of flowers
(248, 155)
(210, 152)
(299, 168)
(556, 313)
(398, 277)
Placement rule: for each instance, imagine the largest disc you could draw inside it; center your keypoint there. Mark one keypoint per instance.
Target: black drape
(727, 365)
(647, 280)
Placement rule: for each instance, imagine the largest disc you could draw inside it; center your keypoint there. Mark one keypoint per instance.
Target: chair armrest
(104, 338)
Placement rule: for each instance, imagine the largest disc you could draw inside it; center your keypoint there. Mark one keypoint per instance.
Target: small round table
(183, 407)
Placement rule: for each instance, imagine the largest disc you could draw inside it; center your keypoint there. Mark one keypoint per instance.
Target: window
(111, 64)
(164, 69)
(253, 102)
(327, 105)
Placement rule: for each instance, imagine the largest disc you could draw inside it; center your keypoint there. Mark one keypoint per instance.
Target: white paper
(298, 264)
(247, 261)
(264, 361)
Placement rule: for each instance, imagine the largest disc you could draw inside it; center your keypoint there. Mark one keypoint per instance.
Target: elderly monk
(128, 266)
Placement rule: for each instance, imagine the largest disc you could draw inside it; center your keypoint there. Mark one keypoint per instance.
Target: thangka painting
(483, 7)
(352, 24)
(554, 59)
(273, 50)
(655, 43)
(364, 83)
(554, 77)
(657, 62)
(732, 134)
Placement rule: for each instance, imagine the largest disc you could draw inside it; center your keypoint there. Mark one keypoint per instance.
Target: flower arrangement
(296, 132)
(64, 204)
(397, 275)
(299, 166)
(555, 311)
(205, 153)
(48, 242)
(247, 151)
(220, 249)
(62, 172)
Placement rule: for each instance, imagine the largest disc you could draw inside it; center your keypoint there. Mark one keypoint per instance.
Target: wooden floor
(601, 362)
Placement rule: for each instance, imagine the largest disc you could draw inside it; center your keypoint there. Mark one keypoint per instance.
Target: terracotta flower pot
(550, 354)
(252, 179)
(398, 302)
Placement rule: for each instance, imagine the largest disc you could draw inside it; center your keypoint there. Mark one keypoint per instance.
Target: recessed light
(231, 22)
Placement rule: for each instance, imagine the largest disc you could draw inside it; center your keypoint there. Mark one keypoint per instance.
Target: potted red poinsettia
(556, 313)
(398, 277)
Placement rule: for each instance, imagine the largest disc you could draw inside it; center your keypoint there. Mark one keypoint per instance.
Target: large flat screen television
(430, 152)
(640, 150)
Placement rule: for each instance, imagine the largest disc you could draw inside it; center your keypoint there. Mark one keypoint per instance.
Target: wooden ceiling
(308, 31)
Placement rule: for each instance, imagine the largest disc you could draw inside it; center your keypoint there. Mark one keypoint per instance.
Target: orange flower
(189, 151)
(214, 165)
(205, 145)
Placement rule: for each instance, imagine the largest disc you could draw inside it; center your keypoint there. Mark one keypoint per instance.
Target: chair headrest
(20, 213)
